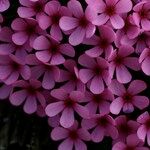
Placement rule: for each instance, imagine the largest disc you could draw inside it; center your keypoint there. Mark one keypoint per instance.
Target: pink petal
(30, 105)
(128, 108)
(5, 4)
(123, 6)
(97, 85)
(77, 36)
(101, 19)
(43, 56)
(123, 75)
(140, 102)
(77, 96)
(117, 22)
(67, 118)
(54, 108)
(76, 8)
(5, 71)
(132, 62)
(60, 94)
(145, 24)
(41, 43)
(25, 12)
(56, 32)
(18, 97)
(5, 91)
(80, 145)
(82, 111)
(97, 135)
(59, 133)
(117, 88)
(140, 86)
(148, 137)
(68, 23)
(25, 72)
(141, 133)
(57, 59)
(19, 24)
(67, 49)
(119, 146)
(66, 145)
(85, 75)
(94, 52)
(19, 38)
(116, 106)
(145, 66)
(90, 30)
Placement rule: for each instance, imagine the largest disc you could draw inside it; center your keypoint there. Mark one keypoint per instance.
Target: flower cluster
(80, 65)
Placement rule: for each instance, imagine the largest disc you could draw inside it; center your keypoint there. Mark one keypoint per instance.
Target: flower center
(97, 98)
(103, 43)
(110, 10)
(143, 14)
(54, 48)
(97, 70)
(148, 124)
(124, 128)
(83, 22)
(73, 134)
(118, 60)
(15, 66)
(30, 29)
(102, 121)
(31, 90)
(56, 18)
(130, 148)
(127, 97)
(69, 103)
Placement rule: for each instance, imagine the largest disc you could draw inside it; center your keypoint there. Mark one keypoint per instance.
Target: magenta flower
(104, 125)
(80, 24)
(11, 68)
(120, 60)
(67, 104)
(71, 77)
(29, 94)
(48, 74)
(141, 42)
(73, 137)
(144, 59)
(7, 46)
(26, 31)
(110, 10)
(143, 131)
(129, 98)
(132, 143)
(95, 73)
(141, 15)
(51, 51)
(99, 102)
(125, 127)
(53, 12)
(101, 43)
(31, 8)
(4, 5)
(130, 31)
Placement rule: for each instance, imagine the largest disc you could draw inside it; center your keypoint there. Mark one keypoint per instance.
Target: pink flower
(71, 77)
(101, 43)
(132, 143)
(104, 125)
(95, 73)
(29, 93)
(120, 60)
(67, 104)
(80, 23)
(144, 59)
(143, 131)
(4, 5)
(73, 137)
(141, 41)
(11, 68)
(7, 46)
(99, 102)
(127, 99)
(26, 31)
(130, 31)
(125, 127)
(31, 8)
(141, 15)
(53, 12)
(51, 51)
(48, 74)
(110, 10)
